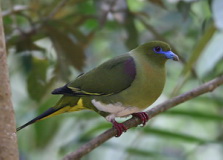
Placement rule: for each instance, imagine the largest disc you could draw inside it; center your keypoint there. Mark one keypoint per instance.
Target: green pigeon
(122, 86)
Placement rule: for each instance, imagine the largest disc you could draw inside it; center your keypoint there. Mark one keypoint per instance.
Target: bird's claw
(120, 128)
(142, 116)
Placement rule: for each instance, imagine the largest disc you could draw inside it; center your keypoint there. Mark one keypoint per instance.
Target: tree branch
(133, 122)
(8, 139)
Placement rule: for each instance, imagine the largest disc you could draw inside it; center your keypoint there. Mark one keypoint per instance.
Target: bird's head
(157, 51)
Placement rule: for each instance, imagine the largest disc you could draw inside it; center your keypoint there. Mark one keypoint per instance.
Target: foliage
(52, 42)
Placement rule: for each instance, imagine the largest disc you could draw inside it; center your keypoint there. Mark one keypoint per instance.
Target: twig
(133, 122)
(14, 10)
(57, 8)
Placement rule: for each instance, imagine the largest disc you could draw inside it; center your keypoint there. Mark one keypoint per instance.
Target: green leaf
(174, 135)
(36, 81)
(143, 153)
(97, 128)
(195, 114)
(184, 8)
(132, 33)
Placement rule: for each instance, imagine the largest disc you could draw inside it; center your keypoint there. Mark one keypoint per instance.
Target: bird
(123, 86)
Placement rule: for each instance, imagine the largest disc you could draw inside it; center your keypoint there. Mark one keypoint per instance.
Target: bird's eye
(157, 49)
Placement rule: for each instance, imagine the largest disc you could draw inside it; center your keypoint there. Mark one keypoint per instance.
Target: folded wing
(109, 78)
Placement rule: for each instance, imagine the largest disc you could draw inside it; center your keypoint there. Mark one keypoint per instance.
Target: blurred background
(51, 42)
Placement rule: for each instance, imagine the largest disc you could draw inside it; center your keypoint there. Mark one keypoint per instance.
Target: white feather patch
(116, 109)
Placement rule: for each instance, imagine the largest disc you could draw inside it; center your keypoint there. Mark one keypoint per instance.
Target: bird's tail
(65, 104)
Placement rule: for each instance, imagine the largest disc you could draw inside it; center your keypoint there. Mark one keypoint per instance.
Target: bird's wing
(109, 78)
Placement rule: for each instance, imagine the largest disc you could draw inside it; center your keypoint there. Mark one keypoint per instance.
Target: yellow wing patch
(77, 107)
(77, 90)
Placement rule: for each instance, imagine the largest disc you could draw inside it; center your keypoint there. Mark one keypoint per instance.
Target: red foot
(119, 127)
(142, 116)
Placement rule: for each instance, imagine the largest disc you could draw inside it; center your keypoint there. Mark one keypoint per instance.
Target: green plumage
(119, 87)
(105, 79)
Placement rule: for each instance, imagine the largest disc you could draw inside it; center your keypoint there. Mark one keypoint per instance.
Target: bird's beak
(171, 55)
(175, 58)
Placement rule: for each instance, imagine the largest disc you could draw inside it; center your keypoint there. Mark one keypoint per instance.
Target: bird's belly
(118, 109)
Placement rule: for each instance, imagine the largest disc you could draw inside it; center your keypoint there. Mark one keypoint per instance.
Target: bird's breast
(147, 86)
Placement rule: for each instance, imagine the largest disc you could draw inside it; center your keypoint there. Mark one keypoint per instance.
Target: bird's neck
(144, 59)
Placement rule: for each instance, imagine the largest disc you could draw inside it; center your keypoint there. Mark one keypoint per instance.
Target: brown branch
(133, 122)
(8, 139)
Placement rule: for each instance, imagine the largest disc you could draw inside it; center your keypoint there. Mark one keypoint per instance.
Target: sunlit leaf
(217, 71)
(212, 54)
(204, 40)
(218, 13)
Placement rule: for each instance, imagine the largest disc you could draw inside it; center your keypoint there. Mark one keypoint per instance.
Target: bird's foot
(142, 116)
(120, 128)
